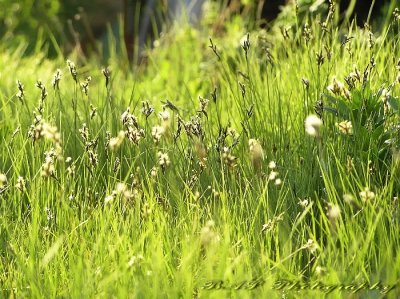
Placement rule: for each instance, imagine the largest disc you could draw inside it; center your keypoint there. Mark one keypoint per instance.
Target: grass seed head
(333, 212)
(48, 169)
(46, 130)
(256, 153)
(93, 111)
(107, 74)
(207, 234)
(157, 132)
(273, 175)
(109, 198)
(122, 190)
(128, 119)
(350, 164)
(3, 181)
(165, 117)
(306, 83)
(134, 134)
(56, 79)
(228, 158)
(117, 165)
(84, 132)
(348, 198)
(356, 74)
(21, 91)
(272, 223)
(396, 14)
(21, 184)
(203, 104)
(135, 261)
(272, 165)
(153, 172)
(366, 195)
(72, 70)
(163, 160)
(85, 85)
(345, 127)
(43, 92)
(147, 110)
(338, 89)
(311, 246)
(313, 125)
(93, 158)
(304, 202)
(71, 170)
(51, 133)
(116, 142)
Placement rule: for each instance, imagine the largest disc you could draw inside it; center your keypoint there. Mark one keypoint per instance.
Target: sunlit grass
(203, 165)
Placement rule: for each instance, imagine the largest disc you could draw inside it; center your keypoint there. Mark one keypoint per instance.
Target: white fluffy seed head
(3, 180)
(313, 125)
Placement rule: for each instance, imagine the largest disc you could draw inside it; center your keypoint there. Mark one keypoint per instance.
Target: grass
(116, 203)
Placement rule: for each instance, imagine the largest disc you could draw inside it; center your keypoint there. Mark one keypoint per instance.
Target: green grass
(212, 213)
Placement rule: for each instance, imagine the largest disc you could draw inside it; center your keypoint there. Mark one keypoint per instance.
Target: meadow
(232, 163)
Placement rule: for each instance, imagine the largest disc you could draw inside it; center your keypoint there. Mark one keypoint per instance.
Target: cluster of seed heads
(228, 158)
(272, 223)
(132, 130)
(121, 190)
(45, 130)
(338, 89)
(48, 166)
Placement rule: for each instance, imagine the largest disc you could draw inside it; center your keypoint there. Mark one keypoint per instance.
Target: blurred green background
(42, 25)
(54, 26)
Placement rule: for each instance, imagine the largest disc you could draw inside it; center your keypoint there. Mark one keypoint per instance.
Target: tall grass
(177, 193)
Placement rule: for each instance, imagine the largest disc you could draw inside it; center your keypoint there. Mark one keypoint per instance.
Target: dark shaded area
(139, 19)
(362, 8)
(271, 9)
